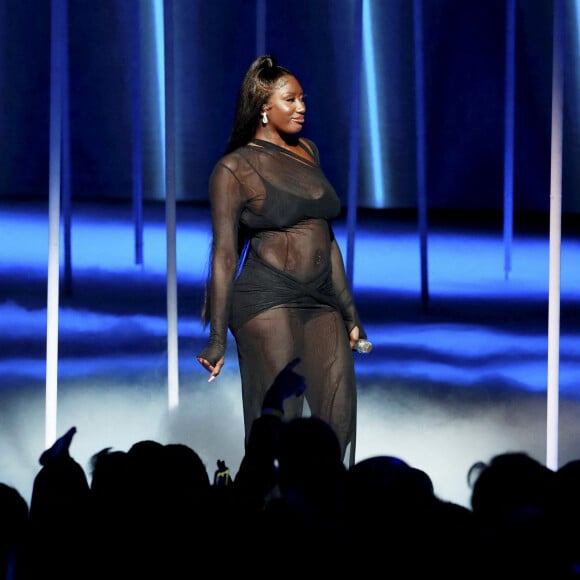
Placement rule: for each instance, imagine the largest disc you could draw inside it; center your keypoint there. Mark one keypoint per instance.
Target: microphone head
(364, 346)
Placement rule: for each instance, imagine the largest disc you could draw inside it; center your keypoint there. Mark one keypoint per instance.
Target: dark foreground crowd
(292, 510)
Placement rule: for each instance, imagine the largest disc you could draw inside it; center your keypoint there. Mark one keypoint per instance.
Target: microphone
(363, 346)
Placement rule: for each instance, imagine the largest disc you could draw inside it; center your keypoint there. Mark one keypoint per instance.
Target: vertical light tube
(374, 120)
(574, 31)
(66, 194)
(170, 210)
(260, 27)
(420, 145)
(555, 239)
(508, 153)
(57, 26)
(136, 173)
(353, 163)
(158, 23)
(3, 12)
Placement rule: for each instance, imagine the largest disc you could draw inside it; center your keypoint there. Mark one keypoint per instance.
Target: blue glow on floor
(475, 361)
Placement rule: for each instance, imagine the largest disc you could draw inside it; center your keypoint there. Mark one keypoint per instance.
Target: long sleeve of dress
(342, 290)
(226, 204)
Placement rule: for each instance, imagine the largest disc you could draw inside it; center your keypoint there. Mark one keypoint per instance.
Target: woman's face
(285, 108)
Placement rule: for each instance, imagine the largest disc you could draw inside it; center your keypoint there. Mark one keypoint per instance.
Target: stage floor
(450, 382)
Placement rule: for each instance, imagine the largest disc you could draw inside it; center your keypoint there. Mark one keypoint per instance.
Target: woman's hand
(358, 342)
(354, 336)
(213, 369)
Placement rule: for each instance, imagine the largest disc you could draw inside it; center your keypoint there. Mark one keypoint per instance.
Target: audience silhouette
(514, 502)
(57, 543)
(292, 508)
(13, 527)
(567, 515)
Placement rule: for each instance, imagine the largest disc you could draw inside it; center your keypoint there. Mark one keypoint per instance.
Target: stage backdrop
(116, 87)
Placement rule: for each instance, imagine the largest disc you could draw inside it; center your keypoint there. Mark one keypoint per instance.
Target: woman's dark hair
(258, 85)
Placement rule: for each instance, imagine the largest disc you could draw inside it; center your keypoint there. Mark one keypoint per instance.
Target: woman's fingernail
(212, 378)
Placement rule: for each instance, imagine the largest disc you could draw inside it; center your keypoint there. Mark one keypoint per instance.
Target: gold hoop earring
(264, 118)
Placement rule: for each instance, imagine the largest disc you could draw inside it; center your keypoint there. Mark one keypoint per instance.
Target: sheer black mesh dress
(291, 298)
